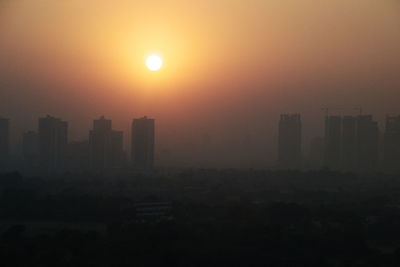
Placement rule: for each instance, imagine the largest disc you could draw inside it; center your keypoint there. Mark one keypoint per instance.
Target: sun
(153, 62)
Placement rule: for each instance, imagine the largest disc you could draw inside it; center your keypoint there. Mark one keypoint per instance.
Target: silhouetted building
(142, 153)
(30, 149)
(367, 143)
(333, 134)
(316, 155)
(289, 151)
(348, 143)
(78, 156)
(105, 145)
(53, 139)
(391, 158)
(4, 142)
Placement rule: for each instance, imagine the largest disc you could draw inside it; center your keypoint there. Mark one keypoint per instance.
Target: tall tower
(142, 153)
(348, 143)
(289, 143)
(391, 156)
(333, 136)
(105, 145)
(4, 141)
(53, 139)
(367, 143)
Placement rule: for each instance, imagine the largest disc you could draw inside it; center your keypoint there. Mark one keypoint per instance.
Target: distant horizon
(228, 77)
(202, 161)
(200, 133)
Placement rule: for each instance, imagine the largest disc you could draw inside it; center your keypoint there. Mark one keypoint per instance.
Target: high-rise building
(4, 141)
(289, 143)
(333, 136)
(105, 145)
(100, 143)
(142, 153)
(53, 140)
(348, 143)
(391, 156)
(367, 143)
(30, 149)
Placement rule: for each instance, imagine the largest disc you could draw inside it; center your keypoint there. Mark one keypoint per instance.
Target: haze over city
(230, 68)
(200, 133)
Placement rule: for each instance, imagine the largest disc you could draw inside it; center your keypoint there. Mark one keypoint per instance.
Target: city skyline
(200, 133)
(228, 77)
(350, 143)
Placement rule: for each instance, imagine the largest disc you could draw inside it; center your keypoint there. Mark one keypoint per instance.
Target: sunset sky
(229, 68)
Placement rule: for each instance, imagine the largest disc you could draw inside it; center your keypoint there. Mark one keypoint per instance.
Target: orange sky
(230, 67)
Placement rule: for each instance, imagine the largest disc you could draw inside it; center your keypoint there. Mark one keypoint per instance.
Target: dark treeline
(213, 218)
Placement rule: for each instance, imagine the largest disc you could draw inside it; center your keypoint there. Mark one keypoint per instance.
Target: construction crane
(327, 109)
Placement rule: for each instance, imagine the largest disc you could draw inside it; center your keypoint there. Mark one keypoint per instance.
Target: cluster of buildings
(48, 150)
(350, 143)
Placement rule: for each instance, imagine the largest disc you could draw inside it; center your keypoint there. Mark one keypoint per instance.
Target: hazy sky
(230, 67)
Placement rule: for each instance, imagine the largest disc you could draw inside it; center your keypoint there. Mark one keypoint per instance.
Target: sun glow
(153, 62)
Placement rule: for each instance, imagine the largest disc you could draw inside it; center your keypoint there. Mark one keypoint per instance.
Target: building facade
(4, 142)
(289, 142)
(333, 139)
(53, 140)
(391, 147)
(105, 146)
(367, 143)
(142, 142)
(348, 146)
